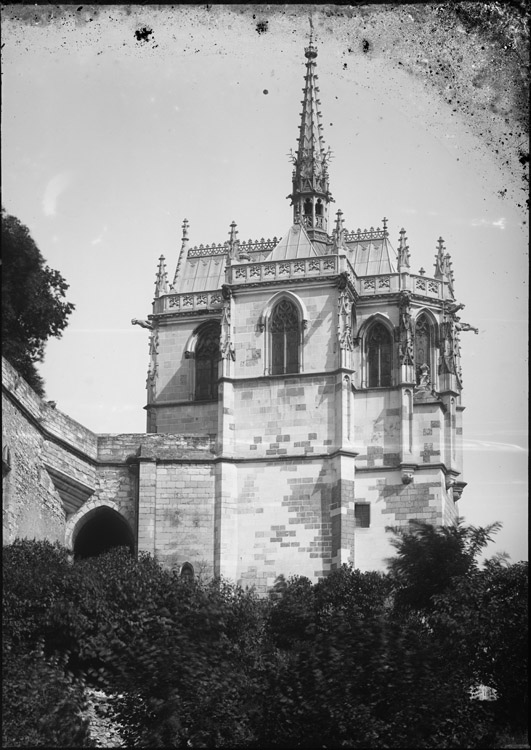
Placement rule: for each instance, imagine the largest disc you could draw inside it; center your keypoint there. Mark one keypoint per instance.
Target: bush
(42, 705)
(359, 677)
(207, 664)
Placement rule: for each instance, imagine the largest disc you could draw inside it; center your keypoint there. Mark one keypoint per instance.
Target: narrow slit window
(362, 515)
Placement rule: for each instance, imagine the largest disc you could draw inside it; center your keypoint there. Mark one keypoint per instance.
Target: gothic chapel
(303, 393)
(326, 374)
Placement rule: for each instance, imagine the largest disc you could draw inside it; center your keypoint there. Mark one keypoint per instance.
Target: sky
(118, 122)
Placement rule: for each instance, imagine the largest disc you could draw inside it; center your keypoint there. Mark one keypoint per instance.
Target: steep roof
(202, 271)
(296, 243)
(370, 252)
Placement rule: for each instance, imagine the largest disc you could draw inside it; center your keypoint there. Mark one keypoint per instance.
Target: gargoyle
(142, 323)
(466, 327)
(453, 307)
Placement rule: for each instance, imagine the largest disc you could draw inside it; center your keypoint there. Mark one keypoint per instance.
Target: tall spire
(310, 197)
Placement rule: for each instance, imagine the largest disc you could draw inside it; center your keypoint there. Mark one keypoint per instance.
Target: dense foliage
(339, 663)
(431, 558)
(33, 306)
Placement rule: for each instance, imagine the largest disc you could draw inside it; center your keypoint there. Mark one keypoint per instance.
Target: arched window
(379, 356)
(285, 338)
(207, 357)
(187, 572)
(423, 345)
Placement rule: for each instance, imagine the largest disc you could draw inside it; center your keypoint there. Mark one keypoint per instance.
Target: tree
(482, 622)
(33, 306)
(429, 558)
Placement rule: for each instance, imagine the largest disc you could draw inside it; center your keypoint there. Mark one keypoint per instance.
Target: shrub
(42, 705)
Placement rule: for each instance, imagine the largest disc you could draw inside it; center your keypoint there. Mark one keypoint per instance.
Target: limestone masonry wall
(36, 435)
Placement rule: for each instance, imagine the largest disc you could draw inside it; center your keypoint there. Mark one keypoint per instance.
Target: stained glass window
(379, 355)
(285, 338)
(207, 356)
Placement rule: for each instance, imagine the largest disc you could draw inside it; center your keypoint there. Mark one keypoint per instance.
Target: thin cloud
(53, 190)
(499, 224)
(97, 240)
(487, 445)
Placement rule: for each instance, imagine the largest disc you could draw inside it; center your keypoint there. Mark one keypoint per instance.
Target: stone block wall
(37, 436)
(284, 416)
(193, 418)
(31, 505)
(377, 430)
(284, 523)
(393, 503)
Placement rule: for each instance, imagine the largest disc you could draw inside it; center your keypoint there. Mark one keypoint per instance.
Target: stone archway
(98, 530)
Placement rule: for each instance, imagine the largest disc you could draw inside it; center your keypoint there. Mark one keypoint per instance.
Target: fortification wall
(36, 440)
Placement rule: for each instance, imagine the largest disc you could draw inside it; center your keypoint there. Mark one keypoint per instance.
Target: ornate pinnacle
(403, 250)
(161, 283)
(339, 231)
(384, 223)
(233, 242)
(440, 263)
(339, 220)
(182, 254)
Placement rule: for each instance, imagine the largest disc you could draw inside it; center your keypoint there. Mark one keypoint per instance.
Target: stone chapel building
(303, 393)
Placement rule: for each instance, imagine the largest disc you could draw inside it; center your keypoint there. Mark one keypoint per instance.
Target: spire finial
(384, 224)
(185, 229)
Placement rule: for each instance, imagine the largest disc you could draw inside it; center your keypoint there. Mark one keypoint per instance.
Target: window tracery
(285, 338)
(379, 356)
(207, 356)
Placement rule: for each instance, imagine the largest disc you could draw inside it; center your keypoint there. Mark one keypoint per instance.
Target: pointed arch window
(207, 356)
(379, 356)
(285, 338)
(187, 572)
(423, 345)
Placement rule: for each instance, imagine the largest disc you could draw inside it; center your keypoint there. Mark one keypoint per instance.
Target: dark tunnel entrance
(104, 530)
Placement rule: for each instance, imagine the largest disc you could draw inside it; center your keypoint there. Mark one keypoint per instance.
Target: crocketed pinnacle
(311, 161)
(310, 196)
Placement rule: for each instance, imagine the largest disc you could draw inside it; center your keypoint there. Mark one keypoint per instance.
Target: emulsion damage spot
(143, 34)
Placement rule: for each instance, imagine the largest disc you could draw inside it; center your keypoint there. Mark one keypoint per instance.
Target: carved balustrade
(391, 283)
(189, 302)
(298, 268)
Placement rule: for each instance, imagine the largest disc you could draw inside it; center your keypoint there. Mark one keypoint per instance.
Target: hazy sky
(120, 121)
